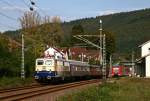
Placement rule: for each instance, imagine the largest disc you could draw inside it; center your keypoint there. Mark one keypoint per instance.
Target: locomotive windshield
(48, 62)
(40, 62)
(116, 70)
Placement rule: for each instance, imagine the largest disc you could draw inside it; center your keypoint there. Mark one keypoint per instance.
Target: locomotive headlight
(48, 77)
(36, 77)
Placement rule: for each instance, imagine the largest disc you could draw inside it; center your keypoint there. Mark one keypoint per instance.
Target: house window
(148, 51)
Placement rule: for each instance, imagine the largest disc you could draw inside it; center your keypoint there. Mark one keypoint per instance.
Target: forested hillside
(130, 28)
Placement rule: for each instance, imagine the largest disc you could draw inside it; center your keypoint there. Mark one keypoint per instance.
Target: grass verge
(125, 89)
(6, 83)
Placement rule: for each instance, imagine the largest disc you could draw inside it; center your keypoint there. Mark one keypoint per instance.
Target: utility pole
(104, 58)
(110, 64)
(100, 42)
(22, 59)
(82, 56)
(22, 51)
(133, 63)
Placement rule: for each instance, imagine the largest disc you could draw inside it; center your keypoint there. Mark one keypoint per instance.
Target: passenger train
(120, 70)
(50, 69)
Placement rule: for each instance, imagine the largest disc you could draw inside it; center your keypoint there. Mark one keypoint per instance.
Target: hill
(130, 28)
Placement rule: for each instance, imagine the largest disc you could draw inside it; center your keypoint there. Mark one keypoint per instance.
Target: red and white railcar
(120, 70)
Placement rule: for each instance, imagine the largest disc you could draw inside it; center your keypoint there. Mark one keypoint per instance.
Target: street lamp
(102, 50)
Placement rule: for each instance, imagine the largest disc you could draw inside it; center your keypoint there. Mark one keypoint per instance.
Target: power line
(41, 10)
(6, 2)
(8, 17)
(32, 5)
(11, 5)
(11, 18)
(26, 3)
(7, 26)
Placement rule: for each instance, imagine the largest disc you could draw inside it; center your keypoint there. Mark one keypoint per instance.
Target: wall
(145, 49)
(148, 66)
(52, 52)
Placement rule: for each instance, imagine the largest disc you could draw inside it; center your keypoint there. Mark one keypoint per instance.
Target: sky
(12, 10)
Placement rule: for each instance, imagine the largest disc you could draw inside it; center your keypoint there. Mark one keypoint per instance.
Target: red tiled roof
(76, 51)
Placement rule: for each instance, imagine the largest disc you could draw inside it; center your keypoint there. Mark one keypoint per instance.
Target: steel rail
(19, 88)
(42, 90)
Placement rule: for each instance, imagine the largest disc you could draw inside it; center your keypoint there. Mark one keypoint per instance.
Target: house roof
(56, 49)
(139, 60)
(142, 58)
(75, 51)
(78, 50)
(144, 43)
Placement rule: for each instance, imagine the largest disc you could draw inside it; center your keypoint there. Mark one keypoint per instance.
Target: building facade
(143, 64)
(52, 52)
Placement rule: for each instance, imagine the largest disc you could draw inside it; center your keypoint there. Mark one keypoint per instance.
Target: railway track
(20, 88)
(33, 92)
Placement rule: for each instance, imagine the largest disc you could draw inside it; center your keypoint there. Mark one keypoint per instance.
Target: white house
(144, 61)
(54, 53)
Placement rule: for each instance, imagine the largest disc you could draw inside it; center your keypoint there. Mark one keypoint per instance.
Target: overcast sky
(11, 10)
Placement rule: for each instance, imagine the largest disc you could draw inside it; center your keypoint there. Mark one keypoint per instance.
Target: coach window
(81, 68)
(76, 68)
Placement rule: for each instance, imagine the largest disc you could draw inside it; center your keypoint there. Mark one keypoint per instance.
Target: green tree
(39, 32)
(76, 30)
(110, 42)
(9, 60)
(53, 31)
